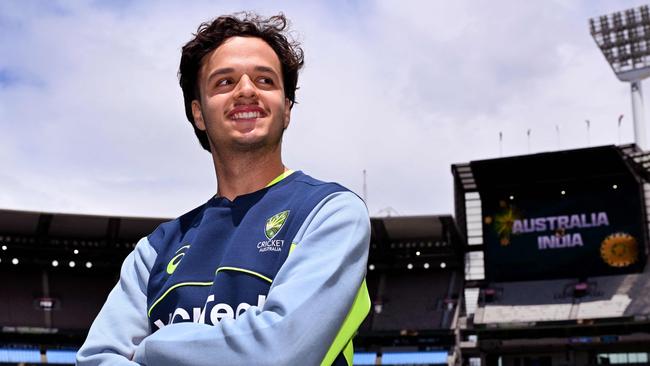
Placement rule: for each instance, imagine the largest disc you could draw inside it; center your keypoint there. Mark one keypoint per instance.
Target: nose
(245, 88)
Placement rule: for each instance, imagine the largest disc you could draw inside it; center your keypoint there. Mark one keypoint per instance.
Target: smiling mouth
(246, 115)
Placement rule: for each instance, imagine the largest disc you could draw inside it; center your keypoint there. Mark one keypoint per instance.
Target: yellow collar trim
(280, 177)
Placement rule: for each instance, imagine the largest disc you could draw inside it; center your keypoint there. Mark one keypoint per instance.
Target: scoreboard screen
(577, 227)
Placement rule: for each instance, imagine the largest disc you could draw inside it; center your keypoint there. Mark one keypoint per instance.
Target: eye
(265, 80)
(224, 82)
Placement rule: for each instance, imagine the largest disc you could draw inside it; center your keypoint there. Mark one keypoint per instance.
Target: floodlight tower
(624, 39)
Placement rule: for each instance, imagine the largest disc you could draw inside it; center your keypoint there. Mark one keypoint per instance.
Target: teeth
(246, 115)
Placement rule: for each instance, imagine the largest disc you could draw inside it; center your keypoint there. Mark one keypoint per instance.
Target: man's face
(243, 105)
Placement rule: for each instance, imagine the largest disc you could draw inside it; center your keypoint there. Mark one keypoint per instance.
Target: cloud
(92, 121)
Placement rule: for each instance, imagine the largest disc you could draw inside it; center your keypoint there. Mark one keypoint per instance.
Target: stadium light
(615, 186)
(426, 266)
(417, 253)
(55, 263)
(624, 40)
(409, 266)
(371, 267)
(71, 264)
(4, 247)
(89, 265)
(76, 251)
(15, 261)
(443, 265)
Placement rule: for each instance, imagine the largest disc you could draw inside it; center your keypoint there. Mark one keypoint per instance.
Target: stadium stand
(57, 270)
(415, 280)
(406, 294)
(583, 304)
(18, 293)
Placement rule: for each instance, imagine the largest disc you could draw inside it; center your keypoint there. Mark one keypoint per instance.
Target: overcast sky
(92, 121)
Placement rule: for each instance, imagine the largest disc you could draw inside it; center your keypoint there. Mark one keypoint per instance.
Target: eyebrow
(265, 69)
(228, 70)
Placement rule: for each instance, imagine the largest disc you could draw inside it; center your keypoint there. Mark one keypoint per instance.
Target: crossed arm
(306, 305)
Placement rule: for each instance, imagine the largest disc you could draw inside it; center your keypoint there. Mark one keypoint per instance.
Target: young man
(270, 271)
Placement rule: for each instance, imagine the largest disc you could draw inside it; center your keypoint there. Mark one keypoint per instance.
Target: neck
(245, 172)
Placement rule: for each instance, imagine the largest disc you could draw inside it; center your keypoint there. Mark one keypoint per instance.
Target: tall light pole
(624, 39)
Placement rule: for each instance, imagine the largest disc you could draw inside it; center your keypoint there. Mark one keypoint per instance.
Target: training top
(274, 277)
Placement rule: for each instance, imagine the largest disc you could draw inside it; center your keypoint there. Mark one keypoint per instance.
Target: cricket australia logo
(271, 229)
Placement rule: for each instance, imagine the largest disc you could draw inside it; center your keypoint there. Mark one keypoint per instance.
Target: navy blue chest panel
(220, 259)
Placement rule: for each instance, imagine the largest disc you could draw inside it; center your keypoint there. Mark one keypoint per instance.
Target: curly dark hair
(210, 35)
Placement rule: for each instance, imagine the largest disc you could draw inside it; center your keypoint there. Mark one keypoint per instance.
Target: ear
(287, 112)
(198, 116)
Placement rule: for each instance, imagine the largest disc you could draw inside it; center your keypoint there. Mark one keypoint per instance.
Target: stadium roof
(396, 241)
(549, 166)
(406, 242)
(58, 225)
(552, 166)
(29, 223)
(399, 228)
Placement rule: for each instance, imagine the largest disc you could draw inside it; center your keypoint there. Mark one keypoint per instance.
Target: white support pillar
(638, 115)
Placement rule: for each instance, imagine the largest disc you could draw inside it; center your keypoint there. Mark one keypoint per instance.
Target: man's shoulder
(315, 193)
(309, 183)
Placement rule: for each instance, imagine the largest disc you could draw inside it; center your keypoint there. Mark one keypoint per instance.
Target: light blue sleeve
(305, 307)
(122, 322)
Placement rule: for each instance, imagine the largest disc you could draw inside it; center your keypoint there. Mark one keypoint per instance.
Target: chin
(253, 144)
